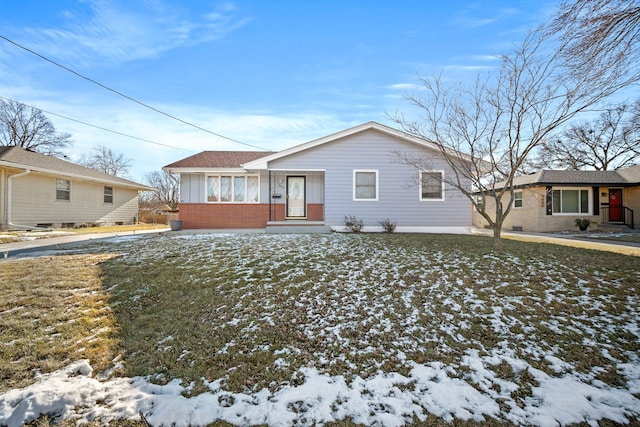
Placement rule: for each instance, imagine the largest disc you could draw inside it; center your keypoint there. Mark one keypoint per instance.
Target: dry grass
(53, 310)
(252, 310)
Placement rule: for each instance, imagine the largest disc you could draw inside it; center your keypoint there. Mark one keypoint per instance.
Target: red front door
(615, 205)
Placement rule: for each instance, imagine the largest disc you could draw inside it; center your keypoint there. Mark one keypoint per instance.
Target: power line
(96, 126)
(126, 96)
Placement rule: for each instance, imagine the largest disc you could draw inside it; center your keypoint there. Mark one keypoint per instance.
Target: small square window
(365, 185)
(431, 185)
(63, 189)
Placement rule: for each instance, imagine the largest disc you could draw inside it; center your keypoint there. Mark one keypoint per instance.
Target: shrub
(354, 224)
(388, 226)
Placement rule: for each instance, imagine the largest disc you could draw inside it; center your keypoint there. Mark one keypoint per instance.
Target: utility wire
(126, 96)
(96, 126)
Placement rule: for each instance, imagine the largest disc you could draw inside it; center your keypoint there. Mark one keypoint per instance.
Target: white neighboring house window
(571, 201)
(517, 199)
(108, 194)
(432, 185)
(63, 189)
(365, 185)
(233, 189)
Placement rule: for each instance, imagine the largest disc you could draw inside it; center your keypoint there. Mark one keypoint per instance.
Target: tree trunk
(497, 240)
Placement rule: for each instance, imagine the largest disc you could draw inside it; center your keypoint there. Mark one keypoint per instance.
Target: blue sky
(268, 73)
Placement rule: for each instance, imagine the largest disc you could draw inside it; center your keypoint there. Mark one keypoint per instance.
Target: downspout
(10, 201)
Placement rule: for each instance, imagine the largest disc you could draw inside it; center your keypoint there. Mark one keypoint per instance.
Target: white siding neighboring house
(355, 172)
(40, 190)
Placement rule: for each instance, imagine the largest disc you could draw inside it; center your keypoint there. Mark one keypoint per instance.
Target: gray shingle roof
(572, 177)
(20, 158)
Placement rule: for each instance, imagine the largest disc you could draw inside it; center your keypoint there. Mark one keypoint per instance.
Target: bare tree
(106, 160)
(600, 32)
(610, 142)
(167, 189)
(499, 122)
(28, 127)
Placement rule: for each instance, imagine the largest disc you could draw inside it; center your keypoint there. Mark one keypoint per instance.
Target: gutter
(10, 201)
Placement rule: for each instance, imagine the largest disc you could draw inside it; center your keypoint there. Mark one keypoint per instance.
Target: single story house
(552, 200)
(37, 190)
(355, 172)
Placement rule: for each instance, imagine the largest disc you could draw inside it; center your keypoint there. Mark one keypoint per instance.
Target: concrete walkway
(598, 243)
(8, 250)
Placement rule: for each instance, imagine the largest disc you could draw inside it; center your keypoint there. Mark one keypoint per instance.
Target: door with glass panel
(296, 197)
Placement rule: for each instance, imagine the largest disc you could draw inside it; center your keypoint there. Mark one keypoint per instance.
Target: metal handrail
(627, 216)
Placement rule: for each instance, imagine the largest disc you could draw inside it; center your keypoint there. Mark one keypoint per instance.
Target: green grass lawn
(252, 313)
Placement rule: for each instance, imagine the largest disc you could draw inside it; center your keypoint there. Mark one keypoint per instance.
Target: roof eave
(132, 185)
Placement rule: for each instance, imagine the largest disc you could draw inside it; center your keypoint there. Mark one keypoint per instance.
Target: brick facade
(238, 215)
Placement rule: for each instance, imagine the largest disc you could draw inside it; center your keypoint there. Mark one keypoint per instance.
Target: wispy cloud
(112, 31)
(472, 18)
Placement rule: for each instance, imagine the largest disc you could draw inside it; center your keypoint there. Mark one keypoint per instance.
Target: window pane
(252, 189)
(431, 185)
(584, 201)
(213, 190)
(556, 201)
(570, 201)
(63, 189)
(517, 199)
(238, 188)
(365, 185)
(225, 188)
(108, 194)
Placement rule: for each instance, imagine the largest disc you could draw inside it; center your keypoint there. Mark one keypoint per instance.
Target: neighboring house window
(108, 194)
(517, 199)
(365, 185)
(63, 189)
(570, 201)
(479, 203)
(432, 185)
(233, 189)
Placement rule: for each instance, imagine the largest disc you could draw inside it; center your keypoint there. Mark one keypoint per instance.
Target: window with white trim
(365, 185)
(432, 185)
(108, 194)
(233, 189)
(570, 201)
(517, 199)
(63, 189)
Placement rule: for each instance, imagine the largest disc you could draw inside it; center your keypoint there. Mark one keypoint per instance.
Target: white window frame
(516, 199)
(105, 195)
(589, 201)
(233, 177)
(68, 192)
(431, 199)
(355, 173)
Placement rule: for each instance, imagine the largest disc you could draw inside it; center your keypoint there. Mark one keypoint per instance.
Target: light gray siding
(398, 184)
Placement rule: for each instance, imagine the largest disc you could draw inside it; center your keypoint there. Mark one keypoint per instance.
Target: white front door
(296, 199)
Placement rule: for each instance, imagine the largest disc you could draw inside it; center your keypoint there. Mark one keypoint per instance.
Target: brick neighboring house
(316, 184)
(552, 200)
(40, 190)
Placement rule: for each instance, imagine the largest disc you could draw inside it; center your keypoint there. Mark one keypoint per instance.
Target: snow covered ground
(473, 335)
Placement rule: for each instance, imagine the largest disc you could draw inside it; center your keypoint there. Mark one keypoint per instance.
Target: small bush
(388, 226)
(354, 224)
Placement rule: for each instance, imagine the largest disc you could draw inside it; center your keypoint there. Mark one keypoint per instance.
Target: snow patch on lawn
(388, 399)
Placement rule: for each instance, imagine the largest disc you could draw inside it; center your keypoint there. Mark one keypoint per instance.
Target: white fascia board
(205, 170)
(137, 186)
